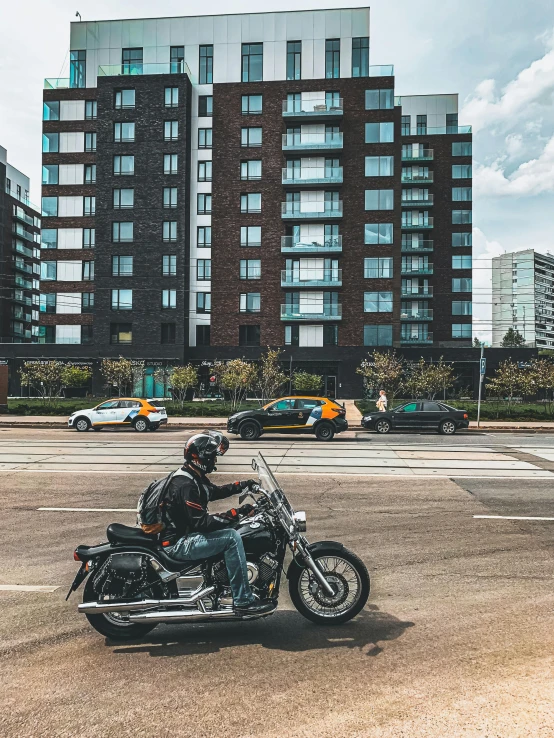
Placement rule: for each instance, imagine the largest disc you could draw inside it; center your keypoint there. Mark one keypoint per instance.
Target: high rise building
(19, 257)
(523, 297)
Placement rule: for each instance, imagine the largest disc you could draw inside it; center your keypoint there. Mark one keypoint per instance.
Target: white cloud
(514, 145)
(483, 253)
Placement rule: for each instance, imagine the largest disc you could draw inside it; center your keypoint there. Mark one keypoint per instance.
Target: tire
(447, 428)
(301, 577)
(141, 425)
(108, 625)
(324, 432)
(82, 424)
(249, 431)
(383, 426)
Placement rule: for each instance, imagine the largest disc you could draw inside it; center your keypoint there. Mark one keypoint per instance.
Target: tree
(75, 376)
(512, 339)
(45, 377)
(307, 384)
(270, 375)
(383, 370)
(237, 377)
(180, 379)
(117, 373)
(509, 381)
(541, 375)
(415, 379)
(425, 380)
(477, 343)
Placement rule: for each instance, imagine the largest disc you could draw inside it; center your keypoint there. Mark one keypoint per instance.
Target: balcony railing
(26, 268)
(325, 245)
(313, 108)
(20, 214)
(293, 210)
(22, 300)
(18, 314)
(21, 249)
(417, 224)
(381, 70)
(417, 179)
(22, 232)
(312, 176)
(294, 312)
(416, 315)
(427, 131)
(53, 83)
(311, 278)
(416, 269)
(422, 202)
(416, 292)
(417, 339)
(312, 141)
(417, 246)
(420, 155)
(21, 282)
(138, 68)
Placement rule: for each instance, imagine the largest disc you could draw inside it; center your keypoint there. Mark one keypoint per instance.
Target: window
(249, 302)
(49, 174)
(461, 171)
(461, 194)
(170, 163)
(249, 335)
(461, 307)
(377, 335)
(48, 270)
(122, 299)
(452, 122)
(251, 236)
(250, 269)
(461, 217)
(171, 97)
(294, 59)
(91, 109)
(421, 122)
(170, 197)
(89, 238)
(203, 270)
(461, 239)
(169, 265)
(206, 65)
(121, 333)
(461, 330)
(89, 205)
(381, 233)
(332, 58)
(379, 166)
(123, 198)
(90, 141)
(205, 106)
(86, 333)
(202, 335)
(204, 138)
(87, 302)
(204, 203)
(360, 57)
(51, 110)
(177, 59)
(204, 237)
(49, 238)
(122, 266)
(77, 68)
(169, 299)
(461, 262)
(251, 169)
(48, 303)
(379, 99)
(378, 268)
(405, 125)
(50, 143)
(90, 173)
(204, 171)
(251, 203)
(377, 302)
(379, 199)
(461, 148)
(123, 165)
(251, 137)
(168, 333)
(379, 132)
(252, 104)
(88, 271)
(169, 230)
(131, 61)
(122, 232)
(124, 99)
(50, 207)
(461, 284)
(123, 132)
(171, 130)
(47, 334)
(252, 62)
(203, 302)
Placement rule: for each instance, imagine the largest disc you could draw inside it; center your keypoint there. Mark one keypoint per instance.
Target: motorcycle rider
(200, 534)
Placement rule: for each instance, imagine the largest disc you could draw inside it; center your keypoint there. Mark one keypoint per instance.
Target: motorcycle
(133, 583)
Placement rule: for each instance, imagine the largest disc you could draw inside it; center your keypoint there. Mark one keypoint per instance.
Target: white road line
(26, 588)
(88, 509)
(509, 517)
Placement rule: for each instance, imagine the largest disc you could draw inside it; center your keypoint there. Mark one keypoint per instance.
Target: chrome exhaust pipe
(182, 616)
(97, 608)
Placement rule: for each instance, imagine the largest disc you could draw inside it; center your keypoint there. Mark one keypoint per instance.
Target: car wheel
(324, 432)
(82, 424)
(383, 426)
(447, 428)
(249, 431)
(141, 425)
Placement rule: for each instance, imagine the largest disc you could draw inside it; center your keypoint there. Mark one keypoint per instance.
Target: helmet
(202, 450)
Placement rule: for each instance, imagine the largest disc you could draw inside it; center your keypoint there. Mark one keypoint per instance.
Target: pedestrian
(382, 401)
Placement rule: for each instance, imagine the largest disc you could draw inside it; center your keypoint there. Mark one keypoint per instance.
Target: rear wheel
(114, 625)
(383, 426)
(249, 431)
(82, 424)
(141, 425)
(324, 432)
(447, 428)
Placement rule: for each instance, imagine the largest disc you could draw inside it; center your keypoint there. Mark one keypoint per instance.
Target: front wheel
(82, 424)
(383, 426)
(349, 578)
(112, 624)
(249, 431)
(447, 428)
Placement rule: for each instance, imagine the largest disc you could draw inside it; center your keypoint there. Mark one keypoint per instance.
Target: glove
(246, 510)
(247, 484)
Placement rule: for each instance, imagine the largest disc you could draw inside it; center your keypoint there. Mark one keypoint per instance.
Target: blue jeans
(197, 546)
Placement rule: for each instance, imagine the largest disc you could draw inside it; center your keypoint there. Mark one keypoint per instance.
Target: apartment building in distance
(19, 257)
(523, 297)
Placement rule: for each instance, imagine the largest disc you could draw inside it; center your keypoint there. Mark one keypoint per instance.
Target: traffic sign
(483, 366)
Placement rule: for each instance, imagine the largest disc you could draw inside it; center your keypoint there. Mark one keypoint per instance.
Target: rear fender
(314, 549)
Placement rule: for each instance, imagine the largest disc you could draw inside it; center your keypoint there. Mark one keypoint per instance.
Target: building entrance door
(331, 387)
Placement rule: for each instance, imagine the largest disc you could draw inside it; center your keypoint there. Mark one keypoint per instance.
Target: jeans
(197, 546)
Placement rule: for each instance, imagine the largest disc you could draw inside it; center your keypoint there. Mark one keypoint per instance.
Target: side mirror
(254, 465)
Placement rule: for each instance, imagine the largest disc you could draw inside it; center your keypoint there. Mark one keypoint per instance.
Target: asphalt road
(457, 638)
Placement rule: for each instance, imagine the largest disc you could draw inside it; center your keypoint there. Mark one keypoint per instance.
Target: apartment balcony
(416, 340)
(22, 232)
(22, 267)
(417, 225)
(21, 282)
(19, 314)
(327, 245)
(319, 109)
(56, 83)
(416, 316)
(414, 203)
(435, 131)
(408, 179)
(381, 70)
(311, 278)
(312, 176)
(292, 210)
(20, 214)
(420, 155)
(295, 313)
(312, 141)
(418, 247)
(139, 68)
(21, 249)
(416, 293)
(416, 269)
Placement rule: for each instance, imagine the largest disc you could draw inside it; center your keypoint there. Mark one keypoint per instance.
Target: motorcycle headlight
(300, 520)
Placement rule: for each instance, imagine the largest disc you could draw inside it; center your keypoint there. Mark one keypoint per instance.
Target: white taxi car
(122, 412)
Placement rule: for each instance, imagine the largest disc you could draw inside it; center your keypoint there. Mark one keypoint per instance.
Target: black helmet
(202, 450)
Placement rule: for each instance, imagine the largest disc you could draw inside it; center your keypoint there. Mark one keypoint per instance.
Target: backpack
(150, 513)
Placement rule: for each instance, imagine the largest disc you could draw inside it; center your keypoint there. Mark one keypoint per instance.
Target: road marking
(509, 517)
(26, 588)
(87, 509)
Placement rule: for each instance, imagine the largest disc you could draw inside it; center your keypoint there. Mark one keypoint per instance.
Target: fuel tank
(257, 539)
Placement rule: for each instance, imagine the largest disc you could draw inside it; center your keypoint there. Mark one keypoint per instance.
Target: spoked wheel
(115, 625)
(447, 428)
(383, 426)
(348, 577)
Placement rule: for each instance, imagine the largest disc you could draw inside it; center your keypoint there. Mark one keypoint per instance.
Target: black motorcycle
(133, 584)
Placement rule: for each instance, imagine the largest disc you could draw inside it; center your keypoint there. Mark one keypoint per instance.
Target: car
(126, 412)
(300, 414)
(418, 415)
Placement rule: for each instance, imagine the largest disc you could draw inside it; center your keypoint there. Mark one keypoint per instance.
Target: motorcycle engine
(260, 572)
(121, 575)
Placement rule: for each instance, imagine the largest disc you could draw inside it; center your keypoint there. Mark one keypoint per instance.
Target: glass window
(48, 303)
(421, 122)
(50, 143)
(462, 284)
(50, 206)
(89, 205)
(90, 173)
(405, 124)
(379, 99)
(123, 165)
(121, 333)
(461, 330)
(202, 335)
(461, 217)
(461, 239)
(168, 333)
(250, 235)
(461, 194)
(462, 148)
(51, 110)
(360, 57)
(87, 302)
(378, 268)
(169, 299)
(91, 109)
(252, 62)
(171, 97)
(171, 163)
(170, 197)
(49, 238)
(332, 58)
(122, 232)
(249, 335)
(378, 233)
(123, 132)
(205, 106)
(89, 238)
(123, 198)
(204, 138)
(461, 171)
(122, 266)
(171, 130)
(203, 270)
(379, 199)
(251, 203)
(379, 132)
(250, 269)
(252, 104)
(379, 166)
(377, 335)
(131, 61)
(249, 302)
(251, 169)
(169, 265)
(204, 237)
(124, 99)
(294, 59)
(48, 270)
(461, 307)
(461, 262)
(204, 171)
(90, 141)
(77, 68)
(330, 335)
(452, 122)
(203, 302)
(169, 230)
(177, 59)
(88, 271)
(206, 65)
(282, 405)
(251, 137)
(377, 302)
(49, 174)
(122, 299)
(204, 203)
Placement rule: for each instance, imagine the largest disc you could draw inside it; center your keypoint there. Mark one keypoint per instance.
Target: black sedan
(418, 415)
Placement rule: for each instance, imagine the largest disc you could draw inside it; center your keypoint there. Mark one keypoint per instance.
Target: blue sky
(498, 56)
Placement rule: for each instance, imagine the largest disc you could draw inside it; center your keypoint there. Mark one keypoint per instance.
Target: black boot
(257, 607)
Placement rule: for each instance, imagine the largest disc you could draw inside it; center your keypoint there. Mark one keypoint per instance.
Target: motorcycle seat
(118, 533)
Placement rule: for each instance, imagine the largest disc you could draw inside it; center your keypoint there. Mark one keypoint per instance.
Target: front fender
(313, 548)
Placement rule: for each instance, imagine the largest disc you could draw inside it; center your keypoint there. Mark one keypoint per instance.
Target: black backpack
(150, 514)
